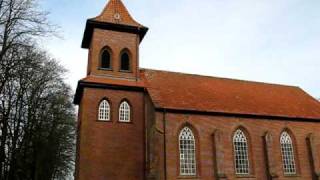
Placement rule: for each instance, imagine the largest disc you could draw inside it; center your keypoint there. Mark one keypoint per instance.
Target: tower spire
(115, 17)
(116, 12)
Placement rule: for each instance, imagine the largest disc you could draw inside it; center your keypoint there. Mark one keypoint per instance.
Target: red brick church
(137, 124)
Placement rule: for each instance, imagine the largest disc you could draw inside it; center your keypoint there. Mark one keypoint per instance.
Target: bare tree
(36, 105)
(36, 114)
(20, 23)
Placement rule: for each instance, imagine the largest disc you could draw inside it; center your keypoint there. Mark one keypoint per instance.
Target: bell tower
(113, 40)
(111, 124)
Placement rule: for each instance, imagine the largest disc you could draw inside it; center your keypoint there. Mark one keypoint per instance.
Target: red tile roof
(178, 91)
(209, 94)
(113, 81)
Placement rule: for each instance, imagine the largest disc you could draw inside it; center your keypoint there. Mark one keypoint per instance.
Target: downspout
(137, 58)
(165, 143)
(145, 133)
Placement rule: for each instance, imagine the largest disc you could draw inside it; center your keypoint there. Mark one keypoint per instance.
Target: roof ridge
(314, 99)
(222, 78)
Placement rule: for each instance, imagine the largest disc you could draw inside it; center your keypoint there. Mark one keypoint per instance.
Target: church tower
(111, 127)
(113, 40)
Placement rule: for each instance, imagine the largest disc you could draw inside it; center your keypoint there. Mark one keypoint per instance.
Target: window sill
(124, 122)
(105, 69)
(104, 121)
(125, 71)
(245, 176)
(188, 177)
(291, 175)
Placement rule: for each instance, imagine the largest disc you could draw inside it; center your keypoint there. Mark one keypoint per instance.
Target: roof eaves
(83, 84)
(92, 24)
(240, 115)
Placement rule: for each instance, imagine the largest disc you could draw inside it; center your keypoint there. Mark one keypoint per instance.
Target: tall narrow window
(125, 62)
(124, 112)
(104, 111)
(241, 155)
(105, 59)
(287, 151)
(187, 151)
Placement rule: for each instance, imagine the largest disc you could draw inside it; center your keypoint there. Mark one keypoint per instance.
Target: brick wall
(111, 150)
(205, 126)
(116, 42)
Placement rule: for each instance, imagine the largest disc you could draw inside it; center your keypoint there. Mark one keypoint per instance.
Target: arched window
(187, 150)
(241, 155)
(124, 112)
(105, 59)
(287, 152)
(104, 111)
(125, 61)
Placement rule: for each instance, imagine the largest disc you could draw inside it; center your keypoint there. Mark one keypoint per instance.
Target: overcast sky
(275, 41)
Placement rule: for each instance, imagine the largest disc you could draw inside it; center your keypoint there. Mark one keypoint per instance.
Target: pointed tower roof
(116, 12)
(115, 16)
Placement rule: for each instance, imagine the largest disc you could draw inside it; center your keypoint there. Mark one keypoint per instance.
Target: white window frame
(124, 112)
(104, 111)
(187, 153)
(287, 153)
(241, 153)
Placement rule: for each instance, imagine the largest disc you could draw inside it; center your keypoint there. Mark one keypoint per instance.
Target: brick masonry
(115, 42)
(204, 128)
(147, 147)
(111, 150)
